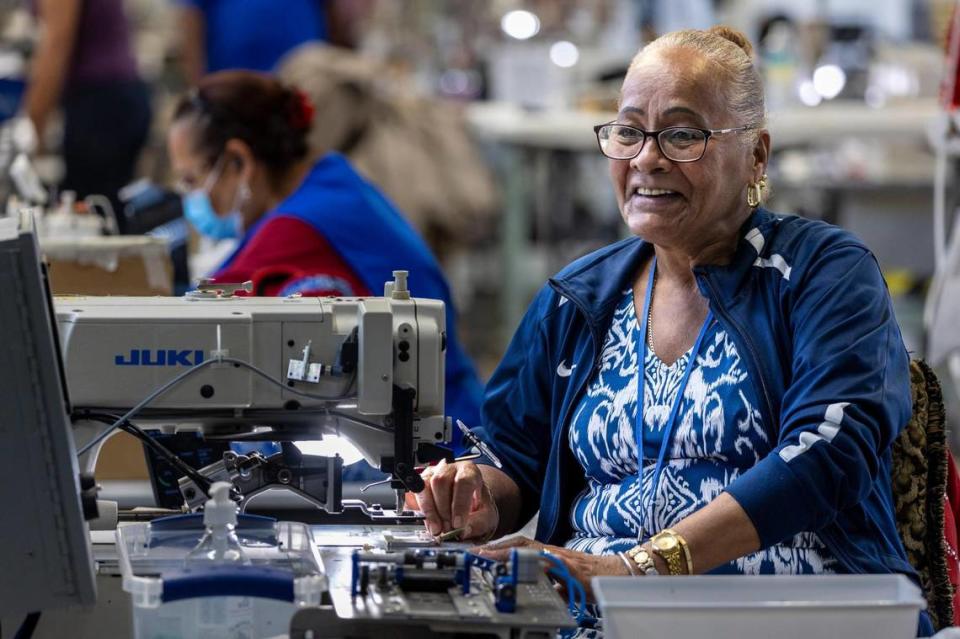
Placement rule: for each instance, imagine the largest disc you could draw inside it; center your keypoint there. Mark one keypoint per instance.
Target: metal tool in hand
(450, 535)
(419, 469)
(477, 443)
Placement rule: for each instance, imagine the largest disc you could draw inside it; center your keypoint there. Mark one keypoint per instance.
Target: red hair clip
(301, 115)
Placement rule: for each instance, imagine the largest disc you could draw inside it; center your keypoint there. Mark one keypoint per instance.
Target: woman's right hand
(456, 496)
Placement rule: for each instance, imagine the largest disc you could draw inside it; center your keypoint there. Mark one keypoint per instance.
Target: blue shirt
(719, 435)
(255, 34)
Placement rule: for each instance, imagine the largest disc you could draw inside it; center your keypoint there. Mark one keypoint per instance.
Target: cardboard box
(111, 265)
(121, 458)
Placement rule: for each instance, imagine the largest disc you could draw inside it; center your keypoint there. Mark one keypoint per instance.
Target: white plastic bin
(760, 607)
(175, 599)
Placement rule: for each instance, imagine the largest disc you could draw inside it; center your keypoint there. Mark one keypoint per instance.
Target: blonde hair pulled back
(731, 51)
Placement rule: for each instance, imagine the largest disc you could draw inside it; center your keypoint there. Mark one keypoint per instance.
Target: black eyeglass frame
(707, 133)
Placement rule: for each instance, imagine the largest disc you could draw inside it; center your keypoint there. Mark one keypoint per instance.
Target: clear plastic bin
(173, 598)
(741, 607)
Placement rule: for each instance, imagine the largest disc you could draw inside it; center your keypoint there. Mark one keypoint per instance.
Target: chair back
(919, 474)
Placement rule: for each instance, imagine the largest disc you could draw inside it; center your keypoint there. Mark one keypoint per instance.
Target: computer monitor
(45, 554)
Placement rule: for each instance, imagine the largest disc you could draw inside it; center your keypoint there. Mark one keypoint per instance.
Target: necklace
(653, 282)
(668, 426)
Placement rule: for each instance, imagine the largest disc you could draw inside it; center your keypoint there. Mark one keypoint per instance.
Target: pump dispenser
(219, 543)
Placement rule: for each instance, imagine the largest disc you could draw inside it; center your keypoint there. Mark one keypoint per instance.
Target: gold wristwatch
(673, 549)
(639, 556)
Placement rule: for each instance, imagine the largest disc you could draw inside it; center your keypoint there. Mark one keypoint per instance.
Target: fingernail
(433, 528)
(458, 521)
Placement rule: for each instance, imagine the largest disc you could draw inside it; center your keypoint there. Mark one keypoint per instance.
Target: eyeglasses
(186, 185)
(677, 143)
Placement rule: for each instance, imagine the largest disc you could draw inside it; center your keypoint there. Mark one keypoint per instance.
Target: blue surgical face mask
(199, 211)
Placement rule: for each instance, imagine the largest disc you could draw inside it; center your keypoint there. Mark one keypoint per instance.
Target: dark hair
(271, 118)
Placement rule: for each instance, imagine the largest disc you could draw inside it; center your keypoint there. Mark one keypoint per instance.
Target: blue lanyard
(671, 420)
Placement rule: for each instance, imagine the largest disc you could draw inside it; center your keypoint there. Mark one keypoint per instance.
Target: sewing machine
(369, 370)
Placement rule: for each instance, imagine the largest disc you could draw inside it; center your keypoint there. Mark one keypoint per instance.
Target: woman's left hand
(583, 566)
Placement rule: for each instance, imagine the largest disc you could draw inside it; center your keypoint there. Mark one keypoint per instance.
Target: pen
(478, 443)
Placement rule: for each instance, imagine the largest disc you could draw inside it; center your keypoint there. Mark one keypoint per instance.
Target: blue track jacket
(812, 318)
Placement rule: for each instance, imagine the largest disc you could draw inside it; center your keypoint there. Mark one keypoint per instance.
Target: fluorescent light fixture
(520, 24)
(808, 95)
(829, 80)
(564, 54)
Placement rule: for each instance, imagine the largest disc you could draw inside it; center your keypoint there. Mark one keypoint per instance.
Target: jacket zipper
(595, 361)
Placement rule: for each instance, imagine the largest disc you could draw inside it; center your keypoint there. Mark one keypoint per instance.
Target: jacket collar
(755, 239)
(597, 285)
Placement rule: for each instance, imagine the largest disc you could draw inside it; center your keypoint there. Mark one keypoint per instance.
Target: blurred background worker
(84, 63)
(256, 34)
(238, 146)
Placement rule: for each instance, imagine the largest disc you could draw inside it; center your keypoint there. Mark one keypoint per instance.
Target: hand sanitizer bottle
(219, 544)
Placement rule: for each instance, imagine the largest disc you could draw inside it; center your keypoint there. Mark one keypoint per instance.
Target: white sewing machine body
(117, 350)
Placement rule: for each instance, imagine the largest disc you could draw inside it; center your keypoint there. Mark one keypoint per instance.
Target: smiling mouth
(658, 194)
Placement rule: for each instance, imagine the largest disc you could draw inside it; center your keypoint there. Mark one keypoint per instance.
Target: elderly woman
(718, 394)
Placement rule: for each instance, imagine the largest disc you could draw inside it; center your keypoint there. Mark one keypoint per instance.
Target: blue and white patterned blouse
(718, 435)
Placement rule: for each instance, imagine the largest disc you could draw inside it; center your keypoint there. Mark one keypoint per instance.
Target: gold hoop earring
(755, 192)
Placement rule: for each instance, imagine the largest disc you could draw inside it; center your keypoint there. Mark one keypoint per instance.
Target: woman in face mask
(315, 227)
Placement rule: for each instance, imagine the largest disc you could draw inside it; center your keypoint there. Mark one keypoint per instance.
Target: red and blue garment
(337, 235)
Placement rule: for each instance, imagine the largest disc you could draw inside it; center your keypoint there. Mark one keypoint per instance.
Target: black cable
(186, 469)
(28, 626)
(115, 421)
(129, 427)
(202, 482)
(198, 478)
(157, 392)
